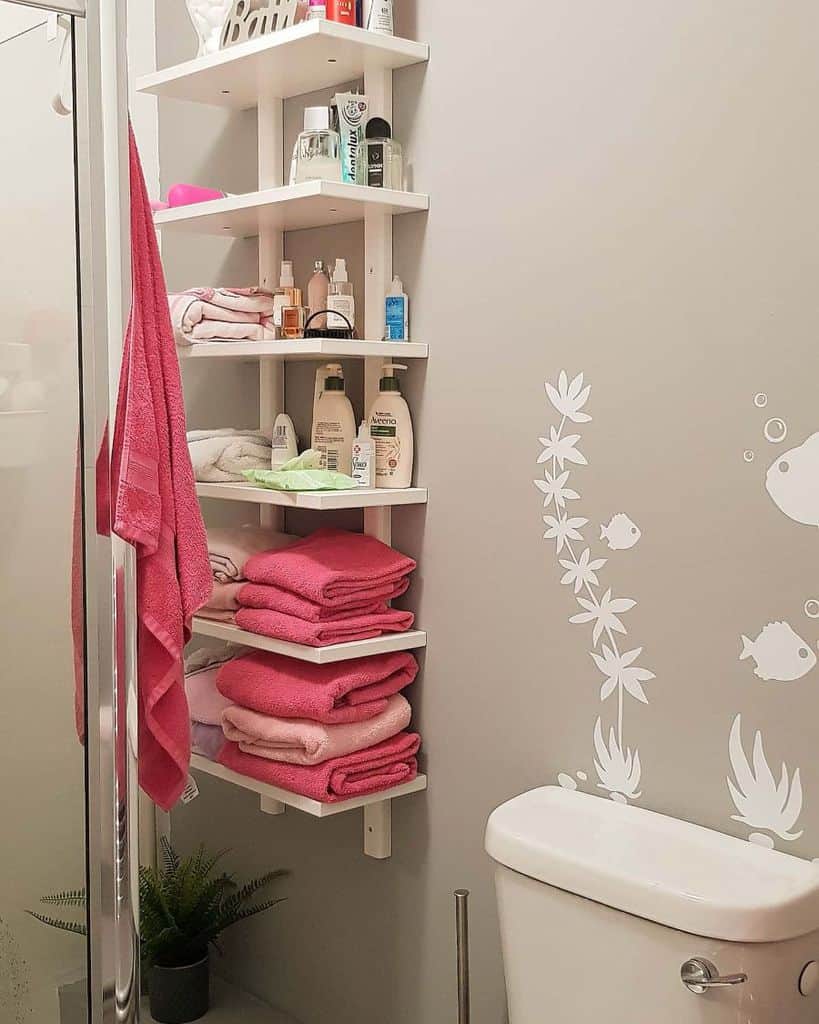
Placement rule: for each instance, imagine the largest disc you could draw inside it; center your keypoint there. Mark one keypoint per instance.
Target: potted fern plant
(185, 906)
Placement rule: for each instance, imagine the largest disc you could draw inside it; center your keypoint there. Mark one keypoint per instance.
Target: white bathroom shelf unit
(412, 640)
(308, 349)
(301, 59)
(312, 204)
(376, 806)
(317, 501)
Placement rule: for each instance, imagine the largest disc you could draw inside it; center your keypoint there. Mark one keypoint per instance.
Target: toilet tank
(602, 904)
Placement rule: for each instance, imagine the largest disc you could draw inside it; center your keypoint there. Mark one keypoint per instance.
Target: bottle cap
(389, 382)
(316, 119)
(378, 128)
(397, 286)
(340, 272)
(334, 384)
(318, 266)
(286, 278)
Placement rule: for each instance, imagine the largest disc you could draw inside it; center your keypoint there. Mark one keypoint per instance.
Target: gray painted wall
(624, 191)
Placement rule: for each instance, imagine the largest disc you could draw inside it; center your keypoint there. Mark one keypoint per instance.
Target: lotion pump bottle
(391, 430)
(334, 423)
(340, 298)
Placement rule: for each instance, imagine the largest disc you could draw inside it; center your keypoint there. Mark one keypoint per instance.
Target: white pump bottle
(334, 423)
(391, 430)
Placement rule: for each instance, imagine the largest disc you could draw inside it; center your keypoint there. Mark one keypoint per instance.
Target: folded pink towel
(216, 616)
(204, 700)
(258, 595)
(331, 566)
(350, 691)
(225, 598)
(380, 767)
(220, 330)
(202, 314)
(300, 741)
(230, 547)
(323, 634)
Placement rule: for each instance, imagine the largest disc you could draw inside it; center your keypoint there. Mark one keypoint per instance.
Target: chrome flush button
(809, 978)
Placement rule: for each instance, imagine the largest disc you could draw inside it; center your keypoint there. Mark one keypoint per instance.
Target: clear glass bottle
(382, 165)
(317, 153)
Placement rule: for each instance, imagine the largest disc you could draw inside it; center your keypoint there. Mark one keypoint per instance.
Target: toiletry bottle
(287, 294)
(318, 289)
(340, 298)
(364, 458)
(383, 163)
(334, 423)
(318, 10)
(378, 16)
(284, 441)
(397, 312)
(341, 10)
(316, 155)
(294, 319)
(348, 115)
(391, 430)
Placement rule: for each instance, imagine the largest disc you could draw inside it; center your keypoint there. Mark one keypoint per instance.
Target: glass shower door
(65, 769)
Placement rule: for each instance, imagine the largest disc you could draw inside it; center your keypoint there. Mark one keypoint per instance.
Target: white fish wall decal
(793, 482)
(621, 533)
(780, 653)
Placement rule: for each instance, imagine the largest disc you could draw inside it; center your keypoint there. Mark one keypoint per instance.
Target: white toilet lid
(669, 871)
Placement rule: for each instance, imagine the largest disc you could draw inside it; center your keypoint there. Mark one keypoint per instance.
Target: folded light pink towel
(300, 741)
(243, 313)
(225, 598)
(323, 634)
(380, 767)
(259, 595)
(230, 548)
(350, 691)
(216, 616)
(205, 702)
(330, 567)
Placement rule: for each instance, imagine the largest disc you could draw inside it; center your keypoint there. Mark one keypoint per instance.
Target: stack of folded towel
(229, 549)
(205, 702)
(222, 314)
(329, 588)
(222, 456)
(329, 732)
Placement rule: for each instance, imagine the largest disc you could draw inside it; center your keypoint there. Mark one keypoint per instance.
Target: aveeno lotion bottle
(391, 430)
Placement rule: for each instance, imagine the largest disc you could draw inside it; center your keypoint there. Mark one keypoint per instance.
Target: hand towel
(156, 510)
(323, 634)
(380, 767)
(300, 741)
(219, 330)
(350, 691)
(257, 595)
(207, 740)
(331, 566)
(231, 547)
(224, 459)
(241, 313)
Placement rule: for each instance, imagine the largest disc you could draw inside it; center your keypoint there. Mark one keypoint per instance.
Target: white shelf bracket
(378, 830)
(271, 806)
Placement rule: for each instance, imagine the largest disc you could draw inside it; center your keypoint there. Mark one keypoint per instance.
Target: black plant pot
(179, 994)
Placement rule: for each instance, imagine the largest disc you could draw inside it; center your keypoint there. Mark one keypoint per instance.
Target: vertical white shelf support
(271, 251)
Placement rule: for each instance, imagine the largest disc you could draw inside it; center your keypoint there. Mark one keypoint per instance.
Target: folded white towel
(222, 457)
(204, 314)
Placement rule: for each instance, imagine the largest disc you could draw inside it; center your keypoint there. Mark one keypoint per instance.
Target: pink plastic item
(187, 195)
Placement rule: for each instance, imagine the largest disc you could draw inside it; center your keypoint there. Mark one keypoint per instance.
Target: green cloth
(307, 460)
(301, 480)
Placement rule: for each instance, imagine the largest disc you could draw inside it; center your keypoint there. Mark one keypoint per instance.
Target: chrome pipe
(462, 936)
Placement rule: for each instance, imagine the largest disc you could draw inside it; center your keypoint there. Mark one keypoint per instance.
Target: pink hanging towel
(156, 510)
(380, 767)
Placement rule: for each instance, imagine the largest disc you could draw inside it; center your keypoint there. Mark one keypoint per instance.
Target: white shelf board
(304, 58)
(306, 349)
(230, 1005)
(363, 497)
(312, 204)
(410, 641)
(304, 803)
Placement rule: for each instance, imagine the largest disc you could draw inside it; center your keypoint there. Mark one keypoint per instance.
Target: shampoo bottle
(340, 298)
(364, 458)
(391, 430)
(334, 423)
(284, 441)
(397, 312)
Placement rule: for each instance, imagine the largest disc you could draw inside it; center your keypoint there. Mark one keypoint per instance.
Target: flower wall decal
(618, 767)
(761, 801)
